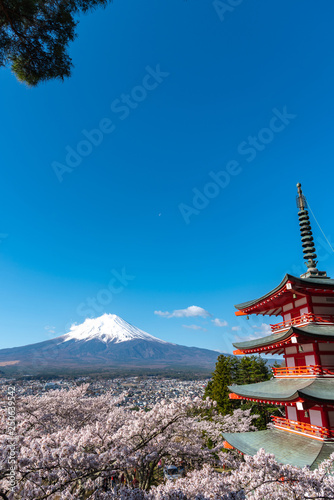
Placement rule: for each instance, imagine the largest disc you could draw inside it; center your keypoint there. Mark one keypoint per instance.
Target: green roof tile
(288, 389)
(269, 339)
(322, 389)
(288, 448)
(324, 282)
(321, 331)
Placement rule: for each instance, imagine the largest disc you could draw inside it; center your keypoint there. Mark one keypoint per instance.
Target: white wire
(330, 246)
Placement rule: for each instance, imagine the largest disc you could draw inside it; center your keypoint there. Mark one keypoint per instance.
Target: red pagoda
(305, 385)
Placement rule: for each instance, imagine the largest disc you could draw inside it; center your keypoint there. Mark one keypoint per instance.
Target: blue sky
(162, 174)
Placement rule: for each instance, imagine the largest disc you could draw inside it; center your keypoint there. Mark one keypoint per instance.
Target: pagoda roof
(288, 448)
(300, 284)
(288, 389)
(321, 332)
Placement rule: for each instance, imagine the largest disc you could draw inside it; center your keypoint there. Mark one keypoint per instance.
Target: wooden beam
(240, 313)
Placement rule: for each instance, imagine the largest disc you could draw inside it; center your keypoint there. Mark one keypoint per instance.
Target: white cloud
(236, 328)
(50, 329)
(219, 322)
(194, 327)
(189, 312)
(163, 314)
(259, 331)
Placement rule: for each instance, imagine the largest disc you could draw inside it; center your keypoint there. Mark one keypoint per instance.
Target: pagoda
(304, 386)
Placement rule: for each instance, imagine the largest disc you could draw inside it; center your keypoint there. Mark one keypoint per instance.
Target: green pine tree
(246, 370)
(34, 35)
(224, 375)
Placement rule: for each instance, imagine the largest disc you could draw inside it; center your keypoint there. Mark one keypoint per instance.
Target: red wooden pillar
(316, 353)
(324, 416)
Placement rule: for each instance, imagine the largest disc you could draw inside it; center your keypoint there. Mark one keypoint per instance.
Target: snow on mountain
(107, 328)
(104, 343)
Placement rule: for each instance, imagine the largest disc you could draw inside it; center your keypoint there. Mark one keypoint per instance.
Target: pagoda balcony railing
(310, 430)
(303, 320)
(303, 371)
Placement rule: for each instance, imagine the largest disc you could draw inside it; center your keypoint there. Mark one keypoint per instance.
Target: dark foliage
(34, 35)
(247, 370)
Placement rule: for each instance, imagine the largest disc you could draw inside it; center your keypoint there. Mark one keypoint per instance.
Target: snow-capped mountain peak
(104, 343)
(107, 328)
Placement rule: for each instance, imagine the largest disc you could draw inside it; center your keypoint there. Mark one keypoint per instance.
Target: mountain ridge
(105, 342)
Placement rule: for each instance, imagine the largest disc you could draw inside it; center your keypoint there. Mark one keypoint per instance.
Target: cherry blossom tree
(71, 446)
(256, 478)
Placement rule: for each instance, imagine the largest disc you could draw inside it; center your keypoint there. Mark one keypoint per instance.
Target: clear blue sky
(245, 94)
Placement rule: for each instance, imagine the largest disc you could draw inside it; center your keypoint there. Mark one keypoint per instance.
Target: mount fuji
(108, 328)
(104, 343)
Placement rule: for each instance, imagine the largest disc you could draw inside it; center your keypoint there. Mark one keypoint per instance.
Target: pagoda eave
(290, 390)
(277, 349)
(268, 343)
(275, 341)
(271, 304)
(306, 401)
(288, 448)
(233, 395)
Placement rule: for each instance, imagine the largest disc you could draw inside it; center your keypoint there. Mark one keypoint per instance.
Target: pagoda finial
(301, 200)
(307, 238)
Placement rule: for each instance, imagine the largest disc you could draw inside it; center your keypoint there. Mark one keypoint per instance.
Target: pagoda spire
(307, 238)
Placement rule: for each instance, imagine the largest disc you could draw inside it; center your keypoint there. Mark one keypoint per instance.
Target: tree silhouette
(34, 35)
